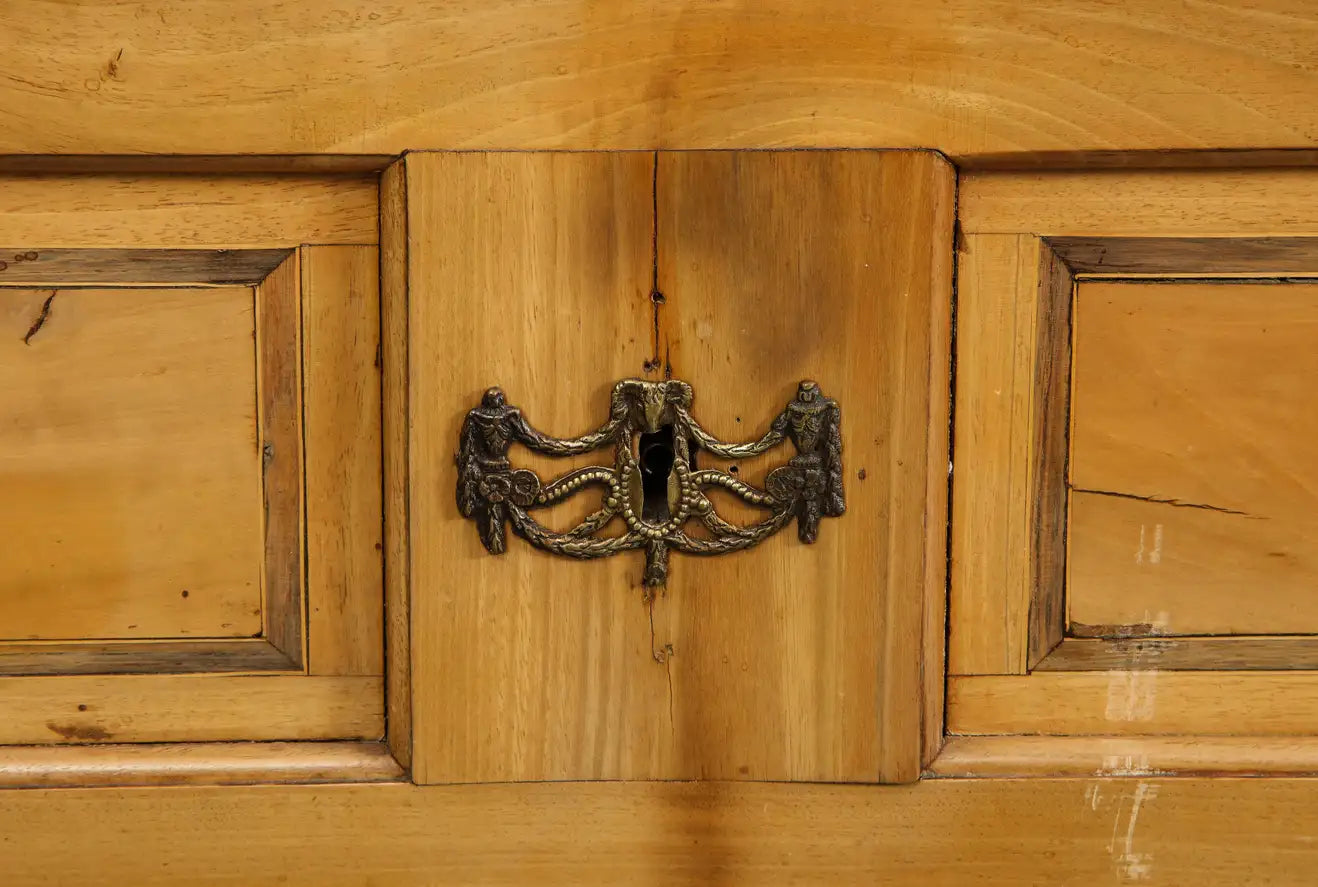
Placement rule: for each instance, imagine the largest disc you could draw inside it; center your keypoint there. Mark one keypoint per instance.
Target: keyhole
(655, 453)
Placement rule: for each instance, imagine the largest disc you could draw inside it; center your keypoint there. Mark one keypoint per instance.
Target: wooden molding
(279, 384)
(196, 763)
(394, 248)
(1184, 654)
(1188, 256)
(188, 708)
(1136, 703)
(1016, 757)
(1009, 482)
(149, 657)
(138, 267)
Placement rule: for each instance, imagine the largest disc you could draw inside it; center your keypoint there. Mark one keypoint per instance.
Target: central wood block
(555, 275)
(129, 464)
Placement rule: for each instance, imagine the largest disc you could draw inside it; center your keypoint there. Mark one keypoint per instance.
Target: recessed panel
(129, 465)
(1194, 473)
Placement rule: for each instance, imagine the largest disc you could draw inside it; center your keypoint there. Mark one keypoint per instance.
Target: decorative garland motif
(655, 493)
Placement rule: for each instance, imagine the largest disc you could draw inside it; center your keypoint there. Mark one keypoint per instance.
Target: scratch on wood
(1175, 503)
(41, 318)
(1133, 866)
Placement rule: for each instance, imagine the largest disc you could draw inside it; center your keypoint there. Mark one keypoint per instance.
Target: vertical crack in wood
(41, 318)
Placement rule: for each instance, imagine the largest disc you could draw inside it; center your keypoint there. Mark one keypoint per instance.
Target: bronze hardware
(654, 485)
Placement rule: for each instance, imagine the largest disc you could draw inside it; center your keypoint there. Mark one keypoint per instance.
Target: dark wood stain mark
(87, 732)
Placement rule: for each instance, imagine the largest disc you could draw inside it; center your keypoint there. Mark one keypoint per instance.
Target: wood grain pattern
(153, 267)
(341, 415)
(188, 708)
(280, 444)
(948, 832)
(245, 655)
(130, 473)
(964, 76)
(1142, 203)
(1137, 702)
(1011, 757)
(1167, 256)
(394, 248)
(185, 211)
(1008, 506)
(833, 266)
(531, 272)
(1193, 468)
(208, 763)
(1184, 654)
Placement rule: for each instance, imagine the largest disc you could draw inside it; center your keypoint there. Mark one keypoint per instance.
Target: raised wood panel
(185, 211)
(964, 76)
(1147, 830)
(531, 272)
(1193, 468)
(523, 678)
(129, 465)
(793, 661)
(341, 412)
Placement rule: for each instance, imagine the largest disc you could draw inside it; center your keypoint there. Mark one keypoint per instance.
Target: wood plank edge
(195, 164)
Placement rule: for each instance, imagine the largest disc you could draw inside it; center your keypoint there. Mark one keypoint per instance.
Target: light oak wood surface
(1084, 832)
(533, 273)
(969, 77)
(980, 757)
(126, 409)
(536, 667)
(794, 661)
(195, 763)
(1142, 203)
(341, 415)
(188, 708)
(1193, 458)
(394, 438)
(185, 211)
(1138, 701)
(1008, 485)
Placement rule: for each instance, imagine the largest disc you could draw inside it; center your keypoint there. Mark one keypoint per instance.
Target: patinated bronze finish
(654, 485)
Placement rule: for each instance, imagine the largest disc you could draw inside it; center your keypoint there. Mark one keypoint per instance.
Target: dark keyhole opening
(655, 453)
